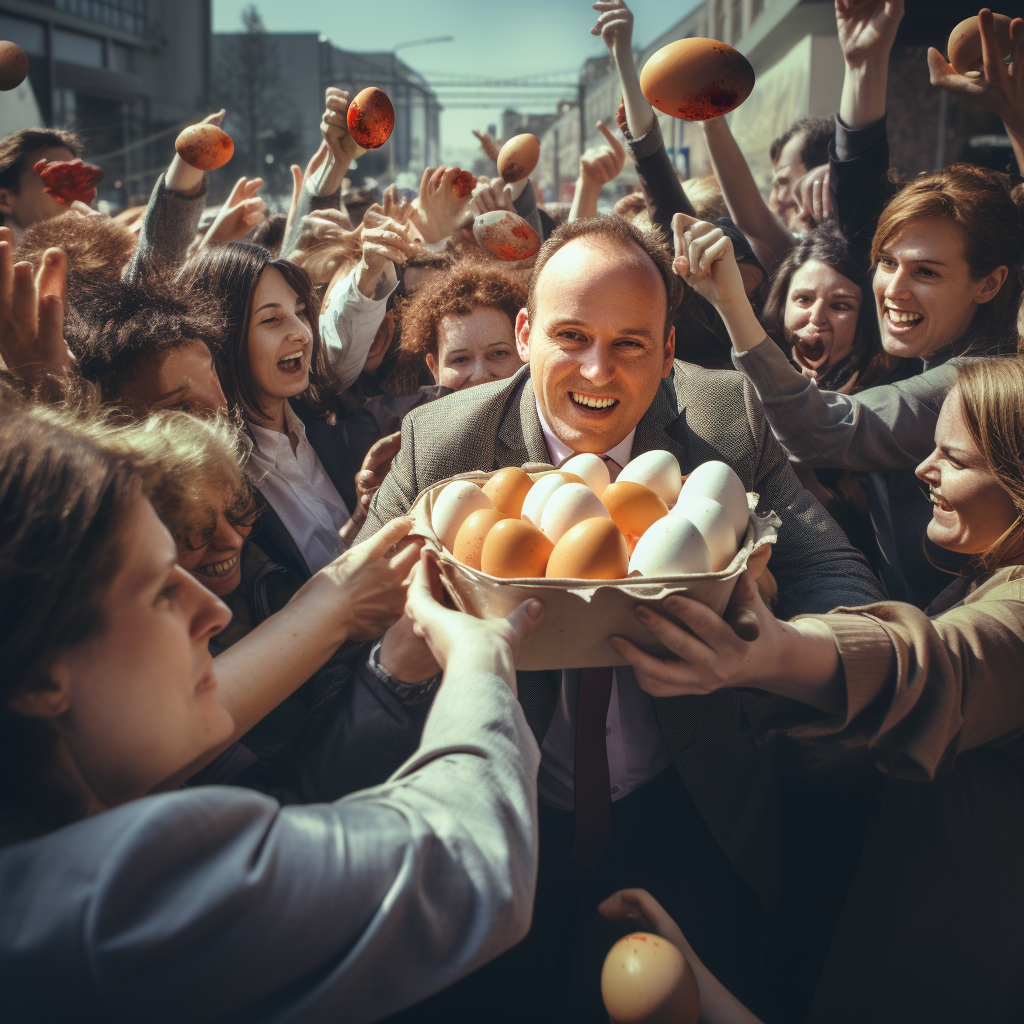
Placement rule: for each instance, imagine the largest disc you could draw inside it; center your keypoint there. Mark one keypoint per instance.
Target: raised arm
(598, 167)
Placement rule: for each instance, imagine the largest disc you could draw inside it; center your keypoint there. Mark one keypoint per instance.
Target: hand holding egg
(646, 980)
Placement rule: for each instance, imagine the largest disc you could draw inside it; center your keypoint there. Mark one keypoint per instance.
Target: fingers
(633, 904)
(216, 119)
(383, 451)
(386, 537)
(612, 141)
(236, 194)
(6, 271)
(23, 300)
(657, 676)
(523, 621)
(52, 279)
(677, 639)
(990, 53)
(51, 347)
(740, 613)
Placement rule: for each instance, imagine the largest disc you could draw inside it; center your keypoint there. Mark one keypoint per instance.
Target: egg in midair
(453, 506)
(515, 549)
(518, 157)
(538, 495)
(591, 469)
(506, 235)
(204, 146)
(647, 980)
(697, 79)
(592, 550)
(673, 546)
(719, 482)
(569, 505)
(715, 527)
(371, 118)
(13, 65)
(658, 470)
(508, 489)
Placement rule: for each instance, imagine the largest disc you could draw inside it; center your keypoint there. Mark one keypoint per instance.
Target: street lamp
(405, 94)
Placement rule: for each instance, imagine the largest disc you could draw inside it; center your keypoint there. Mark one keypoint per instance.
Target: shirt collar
(559, 451)
(272, 444)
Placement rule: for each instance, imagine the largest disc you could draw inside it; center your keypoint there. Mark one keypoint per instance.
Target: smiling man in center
(670, 795)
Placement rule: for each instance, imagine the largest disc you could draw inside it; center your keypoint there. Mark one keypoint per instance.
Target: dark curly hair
(470, 284)
(113, 324)
(95, 246)
(817, 133)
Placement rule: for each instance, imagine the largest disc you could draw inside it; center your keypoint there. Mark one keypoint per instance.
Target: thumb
(682, 221)
(523, 621)
(235, 195)
(389, 535)
(743, 607)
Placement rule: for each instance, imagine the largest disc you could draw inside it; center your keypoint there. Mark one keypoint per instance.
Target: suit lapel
(520, 438)
(663, 426)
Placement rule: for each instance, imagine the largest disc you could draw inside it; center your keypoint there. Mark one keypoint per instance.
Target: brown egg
(13, 66)
(518, 157)
(513, 549)
(646, 980)
(964, 46)
(697, 79)
(371, 118)
(204, 146)
(463, 184)
(506, 235)
(469, 541)
(508, 489)
(633, 507)
(592, 550)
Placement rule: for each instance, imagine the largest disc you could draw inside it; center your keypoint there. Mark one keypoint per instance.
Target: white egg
(537, 497)
(568, 506)
(715, 527)
(672, 546)
(658, 470)
(717, 481)
(453, 506)
(591, 469)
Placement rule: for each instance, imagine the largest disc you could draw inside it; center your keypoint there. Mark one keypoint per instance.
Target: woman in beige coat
(933, 928)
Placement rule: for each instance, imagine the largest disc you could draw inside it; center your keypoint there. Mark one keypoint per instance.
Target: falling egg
(463, 184)
(506, 235)
(469, 541)
(592, 550)
(13, 66)
(569, 505)
(647, 980)
(371, 118)
(717, 481)
(508, 489)
(633, 508)
(715, 527)
(538, 495)
(964, 46)
(697, 79)
(658, 470)
(591, 469)
(514, 549)
(673, 546)
(518, 158)
(453, 506)
(204, 146)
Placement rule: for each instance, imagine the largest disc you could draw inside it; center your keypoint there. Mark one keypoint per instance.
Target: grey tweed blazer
(697, 415)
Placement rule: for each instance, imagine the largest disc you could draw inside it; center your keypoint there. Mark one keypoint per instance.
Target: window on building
(75, 48)
(126, 15)
(29, 35)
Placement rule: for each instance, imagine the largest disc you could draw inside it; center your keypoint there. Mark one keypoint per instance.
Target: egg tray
(580, 615)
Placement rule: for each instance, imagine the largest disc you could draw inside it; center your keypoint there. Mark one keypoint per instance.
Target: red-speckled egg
(13, 66)
(518, 157)
(204, 146)
(964, 47)
(697, 79)
(371, 118)
(505, 235)
(646, 980)
(463, 184)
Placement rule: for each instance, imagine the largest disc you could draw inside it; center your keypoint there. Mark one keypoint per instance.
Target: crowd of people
(255, 766)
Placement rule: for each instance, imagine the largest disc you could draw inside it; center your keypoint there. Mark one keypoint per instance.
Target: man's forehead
(588, 266)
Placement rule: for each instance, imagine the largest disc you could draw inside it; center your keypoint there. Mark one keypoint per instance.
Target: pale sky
(489, 38)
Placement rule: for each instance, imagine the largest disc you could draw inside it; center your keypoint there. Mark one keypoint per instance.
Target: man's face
(178, 378)
(787, 170)
(596, 342)
(30, 204)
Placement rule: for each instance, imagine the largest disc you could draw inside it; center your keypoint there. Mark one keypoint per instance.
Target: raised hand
(441, 203)
(385, 245)
(32, 314)
(867, 28)
(997, 87)
(812, 196)
(488, 144)
(396, 206)
(615, 27)
(705, 260)
(496, 196)
(604, 164)
(241, 212)
(334, 126)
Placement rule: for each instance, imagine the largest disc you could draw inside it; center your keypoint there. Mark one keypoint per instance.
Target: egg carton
(580, 615)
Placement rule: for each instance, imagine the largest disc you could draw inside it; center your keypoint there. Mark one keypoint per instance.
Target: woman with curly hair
(463, 324)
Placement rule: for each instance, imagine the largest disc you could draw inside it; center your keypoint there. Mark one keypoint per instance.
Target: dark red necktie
(591, 782)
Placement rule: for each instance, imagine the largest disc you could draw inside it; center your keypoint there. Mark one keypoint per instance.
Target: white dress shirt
(636, 749)
(299, 490)
(349, 322)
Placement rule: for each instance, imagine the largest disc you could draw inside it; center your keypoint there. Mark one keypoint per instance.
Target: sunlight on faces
(821, 316)
(598, 333)
(924, 293)
(474, 348)
(180, 378)
(280, 341)
(141, 696)
(212, 545)
(31, 204)
(970, 508)
(787, 170)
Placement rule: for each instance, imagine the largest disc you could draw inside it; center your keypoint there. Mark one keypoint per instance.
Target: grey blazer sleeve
(217, 904)
(816, 567)
(396, 494)
(891, 426)
(168, 228)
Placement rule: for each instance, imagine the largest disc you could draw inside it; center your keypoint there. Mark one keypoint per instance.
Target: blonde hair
(705, 195)
(990, 394)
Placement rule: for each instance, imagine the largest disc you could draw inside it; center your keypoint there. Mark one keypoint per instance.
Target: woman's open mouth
(291, 363)
(899, 322)
(812, 353)
(593, 403)
(936, 499)
(218, 570)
